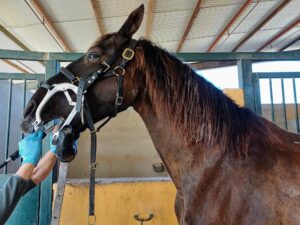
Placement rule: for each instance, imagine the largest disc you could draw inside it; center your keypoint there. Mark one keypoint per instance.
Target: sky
(227, 77)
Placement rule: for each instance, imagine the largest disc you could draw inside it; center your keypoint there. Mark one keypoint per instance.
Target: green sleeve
(10, 194)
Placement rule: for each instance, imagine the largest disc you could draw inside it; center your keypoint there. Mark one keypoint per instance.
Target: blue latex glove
(30, 148)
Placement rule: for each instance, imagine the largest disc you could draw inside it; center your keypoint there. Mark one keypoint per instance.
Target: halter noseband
(81, 105)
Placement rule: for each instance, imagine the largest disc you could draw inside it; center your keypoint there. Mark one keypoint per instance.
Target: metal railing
(285, 107)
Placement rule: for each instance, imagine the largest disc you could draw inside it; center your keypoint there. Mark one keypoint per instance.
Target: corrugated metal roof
(16, 13)
(80, 33)
(67, 10)
(210, 21)
(167, 26)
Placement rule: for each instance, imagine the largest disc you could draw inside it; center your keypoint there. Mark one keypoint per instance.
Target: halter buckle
(119, 100)
(121, 69)
(128, 54)
(76, 80)
(92, 166)
(106, 66)
(91, 220)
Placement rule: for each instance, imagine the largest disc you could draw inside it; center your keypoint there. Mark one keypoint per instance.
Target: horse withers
(229, 165)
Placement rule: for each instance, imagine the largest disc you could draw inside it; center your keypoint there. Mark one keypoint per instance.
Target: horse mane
(196, 108)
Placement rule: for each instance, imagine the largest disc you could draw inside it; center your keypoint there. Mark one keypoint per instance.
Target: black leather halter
(83, 85)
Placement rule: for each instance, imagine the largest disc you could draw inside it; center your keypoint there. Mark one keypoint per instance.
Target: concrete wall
(124, 150)
(124, 147)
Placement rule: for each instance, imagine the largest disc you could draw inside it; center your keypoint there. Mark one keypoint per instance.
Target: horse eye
(93, 57)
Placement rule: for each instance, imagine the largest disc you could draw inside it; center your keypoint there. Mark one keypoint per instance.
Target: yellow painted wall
(236, 94)
(118, 202)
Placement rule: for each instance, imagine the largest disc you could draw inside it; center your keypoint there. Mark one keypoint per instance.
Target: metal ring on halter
(91, 220)
(119, 68)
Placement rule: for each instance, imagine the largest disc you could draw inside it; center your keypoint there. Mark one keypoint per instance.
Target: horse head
(101, 95)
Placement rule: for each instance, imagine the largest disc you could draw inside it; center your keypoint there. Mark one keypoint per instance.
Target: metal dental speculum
(63, 87)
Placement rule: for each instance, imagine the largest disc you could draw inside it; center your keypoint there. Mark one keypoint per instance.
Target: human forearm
(25, 171)
(43, 168)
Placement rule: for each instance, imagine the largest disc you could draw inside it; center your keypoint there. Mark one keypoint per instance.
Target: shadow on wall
(124, 149)
(16, 111)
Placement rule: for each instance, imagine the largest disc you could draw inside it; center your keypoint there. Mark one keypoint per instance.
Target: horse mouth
(26, 125)
(28, 117)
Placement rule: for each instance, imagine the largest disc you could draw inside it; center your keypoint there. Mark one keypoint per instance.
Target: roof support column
(245, 82)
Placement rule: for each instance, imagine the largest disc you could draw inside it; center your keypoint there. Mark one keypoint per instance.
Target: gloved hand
(30, 148)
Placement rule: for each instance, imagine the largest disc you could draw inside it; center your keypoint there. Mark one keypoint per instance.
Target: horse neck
(183, 159)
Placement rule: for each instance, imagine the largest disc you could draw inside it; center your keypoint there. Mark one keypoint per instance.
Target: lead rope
(92, 166)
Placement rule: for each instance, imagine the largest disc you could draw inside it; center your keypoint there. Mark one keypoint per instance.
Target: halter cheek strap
(82, 105)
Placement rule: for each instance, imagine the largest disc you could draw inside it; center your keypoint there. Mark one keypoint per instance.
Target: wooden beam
(289, 44)
(261, 24)
(45, 20)
(13, 38)
(98, 17)
(189, 26)
(231, 22)
(14, 65)
(150, 13)
(284, 31)
(19, 43)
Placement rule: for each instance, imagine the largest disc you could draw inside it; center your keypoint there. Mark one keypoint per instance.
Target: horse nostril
(31, 106)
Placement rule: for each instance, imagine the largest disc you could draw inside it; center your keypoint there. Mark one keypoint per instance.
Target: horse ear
(133, 22)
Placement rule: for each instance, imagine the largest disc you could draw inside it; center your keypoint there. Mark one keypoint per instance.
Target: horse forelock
(197, 109)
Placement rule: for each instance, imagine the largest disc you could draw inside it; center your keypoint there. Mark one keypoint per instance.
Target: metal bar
(65, 57)
(225, 56)
(8, 122)
(23, 55)
(245, 82)
(296, 106)
(21, 76)
(278, 75)
(52, 67)
(283, 103)
(289, 44)
(257, 99)
(271, 98)
(24, 104)
(228, 26)
(281, 33)
(216, 56)
(58, 201)
(261, 24)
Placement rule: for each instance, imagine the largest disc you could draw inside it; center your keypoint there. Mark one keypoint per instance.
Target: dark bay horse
(229, 165)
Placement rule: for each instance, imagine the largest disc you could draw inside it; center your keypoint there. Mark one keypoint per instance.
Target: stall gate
(35, 207)
(15, 91)
(281, 105)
